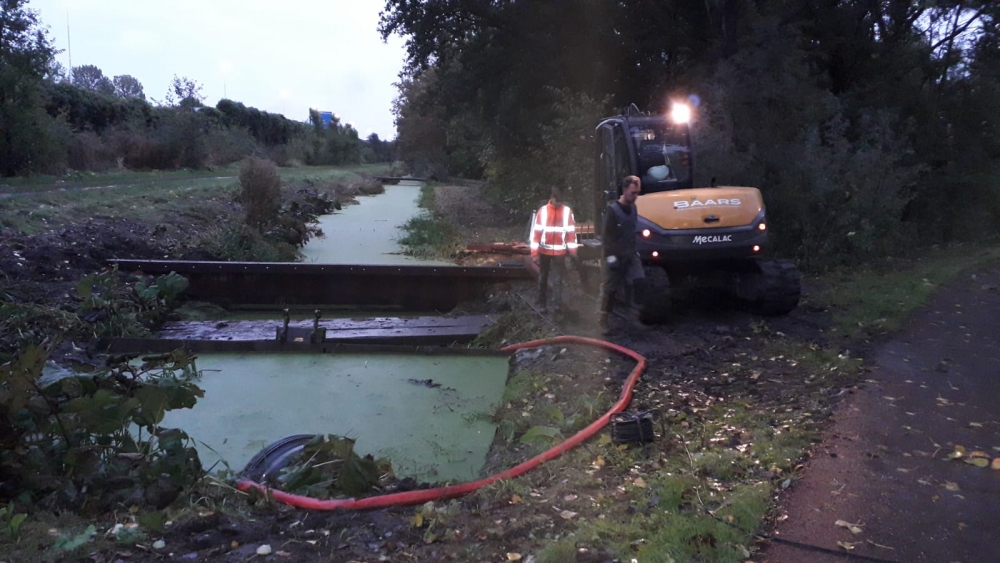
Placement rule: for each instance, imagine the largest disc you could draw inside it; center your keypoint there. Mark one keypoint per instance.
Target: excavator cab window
(663, 156)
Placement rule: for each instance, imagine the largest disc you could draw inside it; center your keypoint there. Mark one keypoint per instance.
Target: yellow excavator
(687, 237)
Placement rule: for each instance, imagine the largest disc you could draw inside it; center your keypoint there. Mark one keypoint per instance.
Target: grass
(877, 300)
(427, 235)
(146, 196)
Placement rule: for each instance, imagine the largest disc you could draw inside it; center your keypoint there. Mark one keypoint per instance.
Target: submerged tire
(776, 288)
(274, 457)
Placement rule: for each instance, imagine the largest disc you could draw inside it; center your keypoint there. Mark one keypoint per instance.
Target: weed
(12, 521)
(503, 490)
(429, 237)
(724, 464)
(562, 551)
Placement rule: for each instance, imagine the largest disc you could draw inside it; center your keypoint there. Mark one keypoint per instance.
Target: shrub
(87, 151)
(226, 145)
(95, 440)
(242, 243)
(260, 192)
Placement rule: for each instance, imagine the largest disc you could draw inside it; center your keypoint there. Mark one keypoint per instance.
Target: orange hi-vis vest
(554, 231)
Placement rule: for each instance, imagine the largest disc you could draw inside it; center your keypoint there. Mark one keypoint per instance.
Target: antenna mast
(69, 47)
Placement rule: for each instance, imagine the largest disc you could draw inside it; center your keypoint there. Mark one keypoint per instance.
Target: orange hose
(451, 491)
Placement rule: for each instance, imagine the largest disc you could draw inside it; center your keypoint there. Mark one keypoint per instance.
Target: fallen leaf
(976, 424)
(854, 528)
(599, 462)
(570, 498)
(514, 499)
(513, 557)
(980, 462)
(951, 486)
(282, 554)
(978, 454)
(418, 520)
(639, 483)
(845, 545)
(264, 550)
(996, 464)
(234, 544)
(567, 515)
(159, 544)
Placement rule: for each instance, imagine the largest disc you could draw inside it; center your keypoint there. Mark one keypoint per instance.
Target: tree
(128, 88)
(90, 77)
(26, 56)
(892, 97)
(185, 93)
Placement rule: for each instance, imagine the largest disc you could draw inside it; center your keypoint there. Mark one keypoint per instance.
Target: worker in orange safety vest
(553, 237)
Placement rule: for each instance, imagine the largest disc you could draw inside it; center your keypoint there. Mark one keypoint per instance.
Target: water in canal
(368, 233)
(422, 412)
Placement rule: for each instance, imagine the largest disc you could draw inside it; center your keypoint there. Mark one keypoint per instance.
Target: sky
(279, 56)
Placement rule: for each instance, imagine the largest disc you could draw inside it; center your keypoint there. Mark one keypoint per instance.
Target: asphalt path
(884, 465)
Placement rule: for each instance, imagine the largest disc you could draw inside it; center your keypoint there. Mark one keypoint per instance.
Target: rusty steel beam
(410, 288)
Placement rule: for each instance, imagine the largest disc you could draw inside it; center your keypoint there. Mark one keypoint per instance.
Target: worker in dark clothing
(622, 267)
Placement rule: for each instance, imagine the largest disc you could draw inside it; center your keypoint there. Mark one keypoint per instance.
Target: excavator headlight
(656, 254)
(762, 226)
(756, 248)
(646, 233)
(680, 112)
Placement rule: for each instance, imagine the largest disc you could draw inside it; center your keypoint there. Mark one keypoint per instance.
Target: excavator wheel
(655, 301)
(772, 290)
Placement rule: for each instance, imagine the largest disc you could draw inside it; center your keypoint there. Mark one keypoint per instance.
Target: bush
(226, 145)
(242, 243)
(87, 151)
(260, 192)
(95, 441)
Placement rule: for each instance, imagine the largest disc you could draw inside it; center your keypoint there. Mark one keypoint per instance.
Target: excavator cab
(655, 148)
(687, 236)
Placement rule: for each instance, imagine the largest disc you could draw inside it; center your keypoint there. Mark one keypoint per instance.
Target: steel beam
(410, 288)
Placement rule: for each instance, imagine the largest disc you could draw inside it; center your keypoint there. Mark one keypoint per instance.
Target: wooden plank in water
(162, 346)
(418, 331)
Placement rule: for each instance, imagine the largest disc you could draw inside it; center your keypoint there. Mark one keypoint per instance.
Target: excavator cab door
(613, 163)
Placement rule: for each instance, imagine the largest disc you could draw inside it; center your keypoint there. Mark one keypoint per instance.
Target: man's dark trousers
(556, 266)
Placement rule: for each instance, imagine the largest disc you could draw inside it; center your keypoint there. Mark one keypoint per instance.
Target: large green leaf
(103, 412)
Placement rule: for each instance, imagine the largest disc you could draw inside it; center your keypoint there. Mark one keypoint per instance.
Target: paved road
(884, 463)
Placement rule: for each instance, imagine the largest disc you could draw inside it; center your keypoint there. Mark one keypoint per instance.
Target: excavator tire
(775, 288)
(656, 302)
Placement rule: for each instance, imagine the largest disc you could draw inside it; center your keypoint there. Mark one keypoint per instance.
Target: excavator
(688, 238)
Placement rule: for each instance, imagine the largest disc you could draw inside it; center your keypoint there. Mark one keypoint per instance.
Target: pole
(69, 47)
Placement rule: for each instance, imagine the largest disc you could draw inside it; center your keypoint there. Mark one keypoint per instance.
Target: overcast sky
(280, 56)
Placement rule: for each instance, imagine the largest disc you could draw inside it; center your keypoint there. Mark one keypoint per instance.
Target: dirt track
(883, 464)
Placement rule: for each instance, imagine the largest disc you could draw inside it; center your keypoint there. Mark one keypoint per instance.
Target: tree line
(53, 120)
(867, 124)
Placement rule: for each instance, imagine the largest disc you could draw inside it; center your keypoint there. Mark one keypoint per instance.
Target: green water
(367, 233)
(432, 434)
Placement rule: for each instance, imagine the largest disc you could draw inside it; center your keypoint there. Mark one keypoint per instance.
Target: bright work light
(680, 113)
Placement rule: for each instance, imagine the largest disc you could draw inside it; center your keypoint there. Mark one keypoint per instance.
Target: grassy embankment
(141, 196)
(710, 481)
